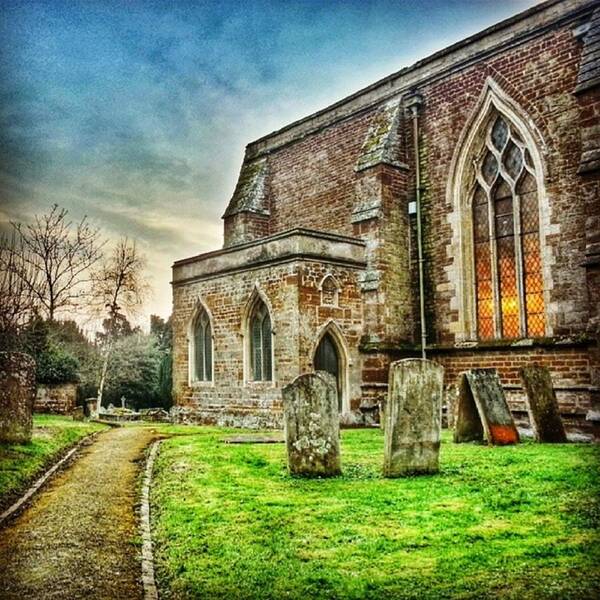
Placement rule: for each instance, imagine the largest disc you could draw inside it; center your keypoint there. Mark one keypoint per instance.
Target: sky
(137, 113)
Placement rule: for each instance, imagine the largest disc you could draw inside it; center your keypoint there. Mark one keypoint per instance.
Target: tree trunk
(103, 379)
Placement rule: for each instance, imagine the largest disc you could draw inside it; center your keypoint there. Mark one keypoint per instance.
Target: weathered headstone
(312, 428)
(542, 405)
(77, 413)
(413, 417)
(482, 408)
(90, 406)
(17, 395)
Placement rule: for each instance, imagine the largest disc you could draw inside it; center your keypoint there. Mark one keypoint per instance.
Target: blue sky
(137, 113)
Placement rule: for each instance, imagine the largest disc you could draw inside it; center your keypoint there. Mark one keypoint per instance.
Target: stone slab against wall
(312, 429)
(482, 408)
(17, 393)
(413, 417)
(542, 405)
(56, 398)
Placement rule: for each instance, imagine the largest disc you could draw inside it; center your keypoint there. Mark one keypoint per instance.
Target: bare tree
(119, 289)
(17, 302)
(57, 258)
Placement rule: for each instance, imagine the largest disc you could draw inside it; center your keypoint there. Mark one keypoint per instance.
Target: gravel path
(80, 539)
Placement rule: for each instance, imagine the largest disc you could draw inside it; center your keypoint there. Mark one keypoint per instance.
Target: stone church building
(455, 203)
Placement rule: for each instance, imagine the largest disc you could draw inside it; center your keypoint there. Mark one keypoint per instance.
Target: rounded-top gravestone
(312, 425)
(17, 395)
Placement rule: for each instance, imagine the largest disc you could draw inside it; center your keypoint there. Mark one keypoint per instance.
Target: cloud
(137, 114)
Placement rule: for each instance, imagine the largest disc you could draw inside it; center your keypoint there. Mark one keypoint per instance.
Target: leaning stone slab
(413, 418)
(482, 408)
(312, 428)
(17, 395)
(542, 405)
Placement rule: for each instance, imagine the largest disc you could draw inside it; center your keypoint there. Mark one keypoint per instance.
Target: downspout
(414, 103)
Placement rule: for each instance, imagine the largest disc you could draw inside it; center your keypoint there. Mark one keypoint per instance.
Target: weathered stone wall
(298, 318)
(17, 392)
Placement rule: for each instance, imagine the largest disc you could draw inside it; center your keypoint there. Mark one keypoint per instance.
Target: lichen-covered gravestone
(413, 417)
(17, 395)
(542, 405)
(482, 407)
(312, 425)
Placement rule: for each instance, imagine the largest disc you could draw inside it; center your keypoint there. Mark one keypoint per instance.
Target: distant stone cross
(312, 429)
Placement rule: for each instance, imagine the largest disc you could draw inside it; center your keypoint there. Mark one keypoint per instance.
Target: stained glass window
(202, 348)
(507, 259)
(260, 344)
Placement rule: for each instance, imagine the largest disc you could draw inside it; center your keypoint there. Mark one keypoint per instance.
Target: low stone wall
(223, 417)
(58, 398)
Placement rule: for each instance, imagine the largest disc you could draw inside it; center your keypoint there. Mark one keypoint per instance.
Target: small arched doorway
(327, 358)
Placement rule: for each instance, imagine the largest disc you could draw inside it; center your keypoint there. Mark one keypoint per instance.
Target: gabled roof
(589, 68)
(250, 191)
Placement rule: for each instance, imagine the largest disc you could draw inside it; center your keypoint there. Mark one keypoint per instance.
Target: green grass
(20, 463)
(513, 522)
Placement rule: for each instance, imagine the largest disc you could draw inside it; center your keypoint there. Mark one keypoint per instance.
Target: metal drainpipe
(414, 103)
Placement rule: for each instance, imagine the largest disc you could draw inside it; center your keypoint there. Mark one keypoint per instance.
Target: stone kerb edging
(148, 581)
(22, 501)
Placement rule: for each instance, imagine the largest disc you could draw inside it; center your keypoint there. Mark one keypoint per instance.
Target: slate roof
(589, 68)
(250, 191)
(382, 141)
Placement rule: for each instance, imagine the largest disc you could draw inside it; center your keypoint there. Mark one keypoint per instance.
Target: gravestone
(90, 406)
(312, 425)
(77, 413)
(17, 395)
(482, 408)
(542, 405)
(413, 417)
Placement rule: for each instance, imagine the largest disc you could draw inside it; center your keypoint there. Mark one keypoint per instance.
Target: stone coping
(295, 244)
(510, 32)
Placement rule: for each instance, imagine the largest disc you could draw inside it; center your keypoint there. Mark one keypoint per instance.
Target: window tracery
(507, 259)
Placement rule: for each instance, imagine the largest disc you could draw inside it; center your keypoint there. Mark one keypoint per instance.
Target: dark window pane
(502, 191)
(199, 351)
(256, 348)
(480, 217)
(207, 352)
(504, 225)
(499, 133)
(266, 348)
(489, 168)
(479, 197)
(513, 160)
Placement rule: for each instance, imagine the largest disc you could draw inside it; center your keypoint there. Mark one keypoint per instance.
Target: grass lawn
(20, 463)
(514, 522)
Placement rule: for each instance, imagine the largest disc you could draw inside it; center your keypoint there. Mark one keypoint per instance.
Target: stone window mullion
(519, 264)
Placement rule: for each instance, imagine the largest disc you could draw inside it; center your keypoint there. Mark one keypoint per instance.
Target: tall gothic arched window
(506, 237)
(261, 363)
(202, 350)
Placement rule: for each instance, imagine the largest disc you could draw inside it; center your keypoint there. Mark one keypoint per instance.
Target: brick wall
(313, 181)
(294, 301)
